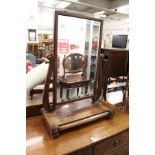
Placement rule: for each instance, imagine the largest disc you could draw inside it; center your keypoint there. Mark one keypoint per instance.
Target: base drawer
(85, 151)
(123, 150)
(111, 143)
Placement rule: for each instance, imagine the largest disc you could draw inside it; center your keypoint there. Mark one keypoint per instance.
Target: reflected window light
(33, 141)
(99, 13)
(65, 106)
(93, 139)
(63, 5)
(123, 9)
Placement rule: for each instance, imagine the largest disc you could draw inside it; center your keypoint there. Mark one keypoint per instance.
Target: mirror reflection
(74, 62)
(77, 53)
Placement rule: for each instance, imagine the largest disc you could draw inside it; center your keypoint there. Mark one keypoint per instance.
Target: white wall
(40, 19)
(31, 16)
(45, 18)
(113, 25)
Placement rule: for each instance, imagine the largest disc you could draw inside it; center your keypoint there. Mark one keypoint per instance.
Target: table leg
(61, 91)
(86, 89)
(77, 91)
(67, 93)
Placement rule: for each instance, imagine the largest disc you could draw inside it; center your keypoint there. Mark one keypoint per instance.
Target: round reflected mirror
(74, 62)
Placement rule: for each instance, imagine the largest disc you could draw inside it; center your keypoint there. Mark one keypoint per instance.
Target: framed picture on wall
(32, 34)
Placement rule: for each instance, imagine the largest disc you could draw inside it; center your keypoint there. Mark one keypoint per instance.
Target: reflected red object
(63, 46)
(72, 46)
(94, 43)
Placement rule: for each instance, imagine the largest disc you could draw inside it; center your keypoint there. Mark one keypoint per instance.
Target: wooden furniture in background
(115, 65)
(38, 90)
(33, 107)
(34, 110)
(33, 48)
(73, 64)
(73, 81)
(110, 136)
(45, 45)
(125, 104)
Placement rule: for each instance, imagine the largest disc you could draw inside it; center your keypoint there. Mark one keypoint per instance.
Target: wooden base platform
(75, 114)
(109, 136)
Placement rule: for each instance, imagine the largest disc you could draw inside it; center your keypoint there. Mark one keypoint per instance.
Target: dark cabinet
(33, 49)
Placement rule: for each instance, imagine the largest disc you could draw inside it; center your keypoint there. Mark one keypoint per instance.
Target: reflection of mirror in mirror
(77, 51)
(74, 62)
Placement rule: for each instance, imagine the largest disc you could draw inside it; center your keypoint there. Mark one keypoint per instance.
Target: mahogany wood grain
(75, 114)
(55, 57)
(112, 144)
(72, 79)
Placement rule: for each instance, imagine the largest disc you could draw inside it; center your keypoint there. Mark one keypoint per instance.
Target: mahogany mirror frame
(53, 66)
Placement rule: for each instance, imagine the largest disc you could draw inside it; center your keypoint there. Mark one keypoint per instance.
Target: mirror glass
(74, 62)
(77, 55)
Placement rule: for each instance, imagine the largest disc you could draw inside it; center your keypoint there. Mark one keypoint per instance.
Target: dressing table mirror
(77, 55)
(75, 67)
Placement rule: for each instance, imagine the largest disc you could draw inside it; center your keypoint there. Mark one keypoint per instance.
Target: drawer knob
(116, 142)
